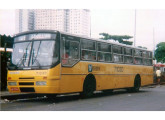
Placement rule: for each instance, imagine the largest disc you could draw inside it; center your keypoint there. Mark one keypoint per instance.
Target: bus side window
(88, 50)
(70, 54)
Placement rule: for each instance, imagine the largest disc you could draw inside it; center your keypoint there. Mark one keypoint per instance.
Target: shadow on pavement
(62, 98)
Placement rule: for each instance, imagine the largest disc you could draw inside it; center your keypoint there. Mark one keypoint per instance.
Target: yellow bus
(53, 62)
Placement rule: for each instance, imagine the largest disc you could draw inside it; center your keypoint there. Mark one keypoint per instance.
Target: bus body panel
(51, 76)
(107, 75)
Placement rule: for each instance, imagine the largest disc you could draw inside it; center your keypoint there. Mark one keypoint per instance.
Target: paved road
(148, 99)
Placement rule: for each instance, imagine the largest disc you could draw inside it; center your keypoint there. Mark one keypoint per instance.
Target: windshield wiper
(23, 58)
(21, 61)
(34, 59)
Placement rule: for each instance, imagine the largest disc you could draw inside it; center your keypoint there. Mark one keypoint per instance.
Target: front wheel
(88, 88)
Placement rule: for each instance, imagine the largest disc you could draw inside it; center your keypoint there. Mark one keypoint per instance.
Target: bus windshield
(33, 54)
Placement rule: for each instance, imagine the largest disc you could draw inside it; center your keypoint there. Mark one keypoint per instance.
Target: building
(24, 20)
(76, 21)
(79, 22)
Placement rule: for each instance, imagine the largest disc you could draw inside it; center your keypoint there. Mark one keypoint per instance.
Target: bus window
(104, 47)
(138, 53)
(128, 51)
(86, 44)
(88, 50)
(150, 54)
(147, 62)
(104, 54)
(117, 49)
(70, 54)
(145, 54)
(88, 55)
(107, 57)
(138, 61)
(118, 58)
(128, 59)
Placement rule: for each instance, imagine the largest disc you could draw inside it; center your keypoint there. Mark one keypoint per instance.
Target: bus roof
(81, 36)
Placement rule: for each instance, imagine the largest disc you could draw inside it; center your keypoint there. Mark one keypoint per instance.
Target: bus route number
(119, 69)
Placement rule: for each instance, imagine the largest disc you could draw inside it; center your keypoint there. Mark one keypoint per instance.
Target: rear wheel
(137, 84)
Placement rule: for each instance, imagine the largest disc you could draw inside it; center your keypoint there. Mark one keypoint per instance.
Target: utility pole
(154, 44)
(135, 30)
(153, 40)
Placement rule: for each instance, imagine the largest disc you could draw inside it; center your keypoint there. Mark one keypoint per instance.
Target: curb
(21, 96)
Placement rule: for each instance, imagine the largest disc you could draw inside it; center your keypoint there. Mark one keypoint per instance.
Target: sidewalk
(6, 93)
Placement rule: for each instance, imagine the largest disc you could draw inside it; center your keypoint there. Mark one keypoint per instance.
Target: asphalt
(6, 94)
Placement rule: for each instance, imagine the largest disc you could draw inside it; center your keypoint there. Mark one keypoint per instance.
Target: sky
(150, 23)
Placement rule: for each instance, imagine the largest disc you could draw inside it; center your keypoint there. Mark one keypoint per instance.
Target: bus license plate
(14, 89)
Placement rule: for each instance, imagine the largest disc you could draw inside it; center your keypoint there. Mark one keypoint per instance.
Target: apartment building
(76, 21)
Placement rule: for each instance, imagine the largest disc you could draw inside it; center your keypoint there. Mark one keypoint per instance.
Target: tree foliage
(142, 47)
(6, 39)
(160, 52)
(120, 38)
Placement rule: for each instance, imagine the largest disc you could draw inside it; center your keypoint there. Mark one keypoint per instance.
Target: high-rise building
(24, 20)
(76, 21)
(79, 21)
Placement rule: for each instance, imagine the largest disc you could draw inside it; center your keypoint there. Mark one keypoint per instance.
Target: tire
(89, 87)
(137, 84)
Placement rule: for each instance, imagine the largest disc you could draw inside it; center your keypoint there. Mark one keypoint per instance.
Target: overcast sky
(112, 21)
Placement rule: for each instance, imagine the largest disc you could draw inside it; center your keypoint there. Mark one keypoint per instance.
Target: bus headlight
(41, 83)
(12, 83)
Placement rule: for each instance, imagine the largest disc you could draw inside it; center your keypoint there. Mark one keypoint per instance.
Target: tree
(142, 47)
(5, 42)
(8, 40)
(120, 38)
(160, 52)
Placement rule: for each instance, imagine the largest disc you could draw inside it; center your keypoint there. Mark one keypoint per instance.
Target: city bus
(53, 62)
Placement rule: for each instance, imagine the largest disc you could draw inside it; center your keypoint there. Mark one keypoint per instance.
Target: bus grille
(26, 83)
(26, 78)
(27, 89)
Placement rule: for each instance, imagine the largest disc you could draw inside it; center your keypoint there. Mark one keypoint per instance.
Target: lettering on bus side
(119, 69)
(41, 73)
(96, 68)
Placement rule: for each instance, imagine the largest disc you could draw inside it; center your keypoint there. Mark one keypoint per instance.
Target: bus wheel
(89, 86)
(137, 84)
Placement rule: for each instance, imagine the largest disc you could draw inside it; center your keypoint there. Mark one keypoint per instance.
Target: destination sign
(35, 36)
